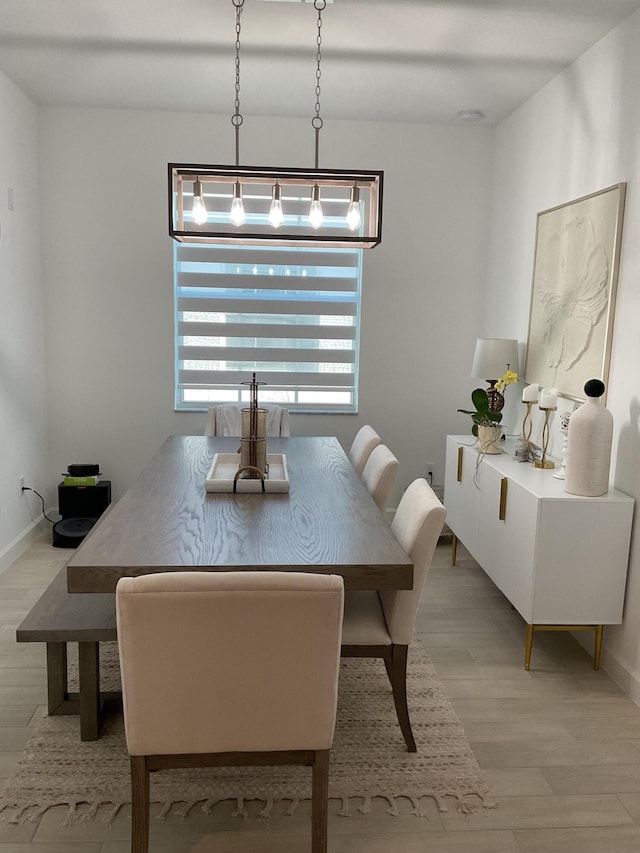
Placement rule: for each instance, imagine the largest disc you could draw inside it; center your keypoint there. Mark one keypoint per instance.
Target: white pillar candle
(530, 394)
(548, 398)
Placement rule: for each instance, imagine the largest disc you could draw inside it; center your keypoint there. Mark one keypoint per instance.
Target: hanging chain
(236, 118)
(316, 121)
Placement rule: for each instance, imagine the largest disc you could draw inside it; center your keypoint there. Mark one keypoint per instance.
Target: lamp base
(546, 464)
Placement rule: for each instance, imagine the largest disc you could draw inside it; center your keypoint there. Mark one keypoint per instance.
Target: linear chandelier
(258, 205)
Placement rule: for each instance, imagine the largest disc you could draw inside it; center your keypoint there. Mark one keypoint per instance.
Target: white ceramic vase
(489, 438)
(589, 445)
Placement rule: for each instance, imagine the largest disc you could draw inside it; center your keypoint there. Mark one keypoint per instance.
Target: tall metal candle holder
(527, 422)
(253, 443)
(545, 463)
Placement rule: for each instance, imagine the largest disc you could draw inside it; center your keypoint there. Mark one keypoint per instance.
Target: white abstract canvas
(573, 292)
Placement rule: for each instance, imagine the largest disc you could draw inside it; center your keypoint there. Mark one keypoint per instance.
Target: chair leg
(399, 685)
(320, 802)
(387, 666)
(140, 804)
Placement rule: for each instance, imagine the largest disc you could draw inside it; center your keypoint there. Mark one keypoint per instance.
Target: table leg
(454, 548)
(89, 677)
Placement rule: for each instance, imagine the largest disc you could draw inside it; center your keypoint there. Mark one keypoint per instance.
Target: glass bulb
(276, 214)
(198, 211)
(316, 217)
(353, 213)
(353, 216)
(236, 214)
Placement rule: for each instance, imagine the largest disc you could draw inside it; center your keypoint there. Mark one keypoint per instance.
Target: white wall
(578, 135)
(23, 405)
(108, 268)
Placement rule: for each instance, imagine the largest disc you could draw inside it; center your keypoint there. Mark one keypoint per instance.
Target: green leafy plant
(481, 415)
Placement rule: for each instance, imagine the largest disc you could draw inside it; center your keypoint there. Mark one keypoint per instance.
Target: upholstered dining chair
(229, 668)
(226, 419)
(379, 475)
(365, 440)
(380, 624)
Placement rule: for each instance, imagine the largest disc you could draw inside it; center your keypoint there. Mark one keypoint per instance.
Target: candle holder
(545, 463)
(527, 423)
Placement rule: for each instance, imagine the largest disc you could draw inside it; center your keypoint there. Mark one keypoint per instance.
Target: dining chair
(229, 668)
(380, 624)
(226, 419)
(365, 440)
(379, 475)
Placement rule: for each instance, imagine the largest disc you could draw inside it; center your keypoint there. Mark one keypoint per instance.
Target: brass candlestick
(527, 423)
(544, 462)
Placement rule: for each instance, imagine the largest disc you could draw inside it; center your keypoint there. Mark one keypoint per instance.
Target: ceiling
(384, 60)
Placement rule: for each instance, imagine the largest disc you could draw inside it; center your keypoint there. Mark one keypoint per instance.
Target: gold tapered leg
(598, 646)
(454, 549)
(528, 647)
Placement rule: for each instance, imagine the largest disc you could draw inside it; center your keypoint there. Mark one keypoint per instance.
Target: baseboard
(627, 679)
(12, 551)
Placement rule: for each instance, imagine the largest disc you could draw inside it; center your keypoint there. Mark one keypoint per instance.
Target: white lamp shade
(492, 356)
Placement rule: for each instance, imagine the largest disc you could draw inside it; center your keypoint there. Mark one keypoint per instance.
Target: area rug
(368, 758)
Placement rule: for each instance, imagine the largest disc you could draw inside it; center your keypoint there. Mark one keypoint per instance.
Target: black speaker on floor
(80, 508)
(84, 501)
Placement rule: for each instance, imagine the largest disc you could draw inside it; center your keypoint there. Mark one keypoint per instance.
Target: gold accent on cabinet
(460, 452)
(502, 512)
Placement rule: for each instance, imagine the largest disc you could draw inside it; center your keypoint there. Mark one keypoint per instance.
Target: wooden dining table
(327, 522)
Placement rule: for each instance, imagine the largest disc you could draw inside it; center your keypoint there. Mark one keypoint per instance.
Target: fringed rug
(368, 758)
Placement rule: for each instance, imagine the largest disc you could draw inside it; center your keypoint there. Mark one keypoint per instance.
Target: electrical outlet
(430, 473)
(21, 481)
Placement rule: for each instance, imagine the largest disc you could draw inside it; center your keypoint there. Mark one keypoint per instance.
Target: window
(292, 315)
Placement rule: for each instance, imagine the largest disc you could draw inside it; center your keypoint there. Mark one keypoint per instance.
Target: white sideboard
(560, 559)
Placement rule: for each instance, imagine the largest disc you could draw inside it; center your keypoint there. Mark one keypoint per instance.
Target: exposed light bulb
(276, 214)
(353, 214)
(236, 214)
(316, 217)
(198, 211)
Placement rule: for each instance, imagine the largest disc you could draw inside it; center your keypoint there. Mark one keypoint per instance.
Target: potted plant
(486, 419)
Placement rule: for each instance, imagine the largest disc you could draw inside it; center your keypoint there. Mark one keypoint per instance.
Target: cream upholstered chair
(365, 440)
(380, 474)
(226, 419)
(200, 689)
(380, 624)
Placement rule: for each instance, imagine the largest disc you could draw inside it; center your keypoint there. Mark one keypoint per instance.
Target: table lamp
(493, 357)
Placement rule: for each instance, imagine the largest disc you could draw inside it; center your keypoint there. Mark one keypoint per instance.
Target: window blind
(291, 315)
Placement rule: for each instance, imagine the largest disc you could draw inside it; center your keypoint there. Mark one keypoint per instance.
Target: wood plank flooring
(560, 744)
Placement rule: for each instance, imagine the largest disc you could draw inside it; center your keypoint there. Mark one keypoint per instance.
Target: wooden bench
(60, 617)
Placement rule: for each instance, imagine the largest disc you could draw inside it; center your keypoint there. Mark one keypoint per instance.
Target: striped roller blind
(291, 315)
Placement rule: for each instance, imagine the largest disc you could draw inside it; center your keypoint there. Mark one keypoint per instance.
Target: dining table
(167, 521)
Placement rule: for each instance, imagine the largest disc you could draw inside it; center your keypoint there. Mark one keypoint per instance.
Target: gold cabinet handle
(460, 452)
(502, 512)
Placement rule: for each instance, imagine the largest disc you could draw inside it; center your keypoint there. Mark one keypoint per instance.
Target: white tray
(225, 465)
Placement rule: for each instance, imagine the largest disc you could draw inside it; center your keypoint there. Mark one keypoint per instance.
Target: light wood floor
(560, 744)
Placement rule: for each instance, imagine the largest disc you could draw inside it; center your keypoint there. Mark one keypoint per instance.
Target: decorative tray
(225, 465)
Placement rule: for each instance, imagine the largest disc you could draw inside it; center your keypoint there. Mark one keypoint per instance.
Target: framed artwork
(575, 274)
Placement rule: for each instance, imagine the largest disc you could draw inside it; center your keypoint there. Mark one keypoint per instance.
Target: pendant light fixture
(258, 205)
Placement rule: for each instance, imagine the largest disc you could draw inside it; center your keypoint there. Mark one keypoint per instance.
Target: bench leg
(56, 678)
(89, 677)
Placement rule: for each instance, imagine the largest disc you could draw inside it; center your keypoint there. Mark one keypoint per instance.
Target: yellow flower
(505, 379)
